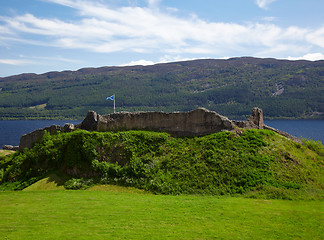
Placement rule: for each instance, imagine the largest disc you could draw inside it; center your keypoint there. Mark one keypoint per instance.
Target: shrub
(315, 146)
(76, 184)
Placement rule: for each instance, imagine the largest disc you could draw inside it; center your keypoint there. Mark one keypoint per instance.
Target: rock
(256, 118)
(194, 123)
(90, 122)
(10, 147)
(69, 127)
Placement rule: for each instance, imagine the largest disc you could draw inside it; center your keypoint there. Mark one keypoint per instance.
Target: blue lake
(11, 131)
(310, 129)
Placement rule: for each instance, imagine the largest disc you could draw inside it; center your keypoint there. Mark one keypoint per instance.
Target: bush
(315, 146)
(77, 184)
(220, 163)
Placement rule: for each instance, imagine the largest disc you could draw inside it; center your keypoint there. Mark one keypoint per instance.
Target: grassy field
(111, 212)
(5, 152)
(258, 163)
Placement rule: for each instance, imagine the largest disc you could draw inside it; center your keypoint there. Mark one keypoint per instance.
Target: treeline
(290, 89)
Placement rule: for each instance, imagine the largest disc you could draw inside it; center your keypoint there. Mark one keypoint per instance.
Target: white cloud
(55, 59)
(4, 30)
(139, 62)
(309, 57)
(33, 60)
(170, 58)
(103, 29)
(264, 3)
(16, 62)
(270, 19)
(154, 3)
(317, 37)
(164, 59)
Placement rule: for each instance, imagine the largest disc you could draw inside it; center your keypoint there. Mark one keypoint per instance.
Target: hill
(255, 163)
(282, 88)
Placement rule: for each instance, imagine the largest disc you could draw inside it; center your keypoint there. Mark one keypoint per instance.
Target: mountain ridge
(283, 88)
(88, 69)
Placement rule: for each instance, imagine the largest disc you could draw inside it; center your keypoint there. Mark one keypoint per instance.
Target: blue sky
(55, 35)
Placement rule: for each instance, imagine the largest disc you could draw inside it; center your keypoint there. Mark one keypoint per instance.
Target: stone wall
(194, 123)
(29, 139)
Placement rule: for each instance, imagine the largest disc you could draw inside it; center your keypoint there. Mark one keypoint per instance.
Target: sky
(38, 36)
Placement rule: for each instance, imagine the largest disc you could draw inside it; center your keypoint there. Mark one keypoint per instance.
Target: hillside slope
(282, 88)
(256, 163)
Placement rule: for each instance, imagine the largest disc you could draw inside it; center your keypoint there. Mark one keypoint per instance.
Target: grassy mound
(52, 182)
(257, 163)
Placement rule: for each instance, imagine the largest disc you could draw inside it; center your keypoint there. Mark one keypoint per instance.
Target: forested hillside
(282, 88)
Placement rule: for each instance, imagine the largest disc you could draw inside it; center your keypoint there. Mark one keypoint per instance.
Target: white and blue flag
(111, 98)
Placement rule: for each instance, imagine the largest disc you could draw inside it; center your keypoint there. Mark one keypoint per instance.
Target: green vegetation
(5, 152)
(124, 215)
(256, 163)
(123, 176)
(41, 106)
(283, 89)
(52, 182)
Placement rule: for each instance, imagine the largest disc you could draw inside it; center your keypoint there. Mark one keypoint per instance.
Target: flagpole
(114, 104)
(112, 98)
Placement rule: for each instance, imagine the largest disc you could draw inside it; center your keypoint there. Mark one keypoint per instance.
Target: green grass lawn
(112, 213)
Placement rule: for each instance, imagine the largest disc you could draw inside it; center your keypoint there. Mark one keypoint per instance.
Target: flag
(111, 98)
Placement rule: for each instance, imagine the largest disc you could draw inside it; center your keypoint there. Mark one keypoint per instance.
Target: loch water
(309, 129)
(11, 131)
